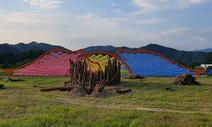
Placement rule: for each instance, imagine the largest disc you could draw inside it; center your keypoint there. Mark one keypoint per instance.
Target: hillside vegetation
(19, 54)
(16, 60)
(188, 58)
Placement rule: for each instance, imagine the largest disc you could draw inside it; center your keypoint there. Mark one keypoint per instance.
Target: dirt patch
(101, 94)
(79, 91)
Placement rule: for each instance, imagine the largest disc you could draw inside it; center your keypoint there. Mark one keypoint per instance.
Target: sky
(75, 24)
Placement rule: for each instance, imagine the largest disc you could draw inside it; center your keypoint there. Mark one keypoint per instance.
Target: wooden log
(108, 72)
(14, 80)
(67, 82)
(119, 73)
(2, 86)
(98, 75)
(57, 88)
(105, 73)
(122, 91)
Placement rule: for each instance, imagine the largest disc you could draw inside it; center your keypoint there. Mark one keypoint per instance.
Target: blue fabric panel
(151, 65)
(210, 72)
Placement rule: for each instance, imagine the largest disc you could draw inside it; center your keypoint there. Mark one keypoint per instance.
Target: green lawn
(22, 105)
(2, 73)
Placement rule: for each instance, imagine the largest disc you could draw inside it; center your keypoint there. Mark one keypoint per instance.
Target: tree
(208, 58)
(193, 65)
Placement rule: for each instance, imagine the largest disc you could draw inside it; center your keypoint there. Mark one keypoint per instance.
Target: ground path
(129, 107)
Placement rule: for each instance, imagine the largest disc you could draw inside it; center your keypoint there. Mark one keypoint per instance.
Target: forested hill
(21, 47)
(184, 57)
(12, 56)
(16, 55)
(188, 58)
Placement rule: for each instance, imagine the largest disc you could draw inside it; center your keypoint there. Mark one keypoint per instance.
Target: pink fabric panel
(53, 64)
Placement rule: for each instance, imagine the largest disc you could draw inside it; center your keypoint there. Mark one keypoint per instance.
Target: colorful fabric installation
(52, 64)
(210, 71)
(101, 59)
(146, 64)
(142, 62)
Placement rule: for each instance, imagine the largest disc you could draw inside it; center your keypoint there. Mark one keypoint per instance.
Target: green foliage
(184, 57)
(22, 105)
(193, 65)
(2, 73)
(16, 60)
(209, 58)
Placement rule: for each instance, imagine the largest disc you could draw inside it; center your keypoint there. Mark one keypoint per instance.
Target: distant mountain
(27, 52)
(107, 48)
(184, 57)
(21, 47)
(204, 50)
(16, 55)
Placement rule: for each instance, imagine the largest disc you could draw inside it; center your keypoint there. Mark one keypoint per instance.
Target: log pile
(94, 82)
(57, 88)
(185, 79)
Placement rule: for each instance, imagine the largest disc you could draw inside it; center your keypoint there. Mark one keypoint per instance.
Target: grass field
(22, 105)
(2, 73)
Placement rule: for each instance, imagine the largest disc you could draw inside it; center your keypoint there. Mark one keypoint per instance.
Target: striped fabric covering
(146, 64)
(101, 59)
(53, 64)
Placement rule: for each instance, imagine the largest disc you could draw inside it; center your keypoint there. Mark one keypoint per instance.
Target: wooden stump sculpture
(83, 81)
(94, 82)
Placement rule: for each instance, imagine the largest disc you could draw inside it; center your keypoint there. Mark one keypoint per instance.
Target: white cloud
(149, 21)
(18, 18)
(197, 1)
(154, 5)
(93, 20)
(78, 31)
(43, 4)
(175, 31)
(117, 10)
(113, 4)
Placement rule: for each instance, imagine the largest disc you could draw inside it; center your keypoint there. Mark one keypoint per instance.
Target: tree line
(8, 60)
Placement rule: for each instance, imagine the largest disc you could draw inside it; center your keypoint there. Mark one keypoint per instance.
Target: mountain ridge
(22, 47)
(204, 50)
(184, 57)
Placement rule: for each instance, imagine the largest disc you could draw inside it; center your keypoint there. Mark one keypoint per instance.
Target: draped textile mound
(52, 64)
(141, 62)
(101, 59)
(210, 71)
(146, 64)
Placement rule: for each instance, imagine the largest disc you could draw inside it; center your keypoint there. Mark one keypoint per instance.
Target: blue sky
(75, 24)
